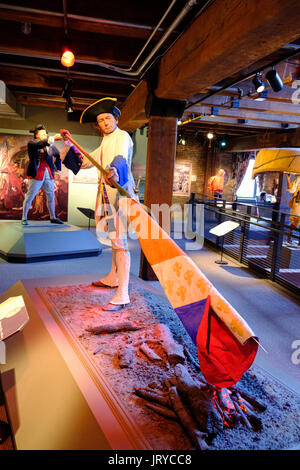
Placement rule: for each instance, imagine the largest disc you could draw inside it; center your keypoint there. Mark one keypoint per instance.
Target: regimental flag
(226, 345)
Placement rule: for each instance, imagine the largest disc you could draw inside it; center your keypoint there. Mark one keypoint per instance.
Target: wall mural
(14, 183)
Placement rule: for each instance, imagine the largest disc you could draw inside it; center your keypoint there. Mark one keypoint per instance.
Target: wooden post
(161, 153)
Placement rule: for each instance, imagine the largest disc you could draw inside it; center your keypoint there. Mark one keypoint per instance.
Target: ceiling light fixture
(258, 83)
(210, 135)
(67, 57)
(66, 93)
(214, 111)
(274, 80)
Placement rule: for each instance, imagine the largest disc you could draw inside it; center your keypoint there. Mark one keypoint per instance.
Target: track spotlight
(258, 83)
(262, 96)
(214, 111)
(69, 106)
(67, 89)
(235, 103)
(274, 80)
(66, 93)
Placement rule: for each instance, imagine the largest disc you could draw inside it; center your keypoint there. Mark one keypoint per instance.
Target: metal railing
(263, 241)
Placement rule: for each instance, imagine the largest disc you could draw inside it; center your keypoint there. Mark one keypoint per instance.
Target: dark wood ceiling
(114, 33)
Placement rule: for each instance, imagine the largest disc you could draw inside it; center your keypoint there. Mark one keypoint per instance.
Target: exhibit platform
(65, 388)
(56, 399)
(41, 240)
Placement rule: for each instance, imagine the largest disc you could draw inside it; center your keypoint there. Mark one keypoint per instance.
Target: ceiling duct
(9, 107)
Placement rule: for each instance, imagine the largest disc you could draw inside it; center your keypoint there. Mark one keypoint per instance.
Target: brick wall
(196, 153)
(193, 152)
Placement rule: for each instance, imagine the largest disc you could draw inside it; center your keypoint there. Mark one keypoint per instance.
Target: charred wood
(151, 395)
(149, 352)
(113, 327)
(173, 349)
(163, 411)
(253, 401)
(199, 398)
(126, 356)
(187, 421)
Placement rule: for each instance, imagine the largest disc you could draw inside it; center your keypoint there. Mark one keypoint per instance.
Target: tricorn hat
(105, 105)
(38, 127)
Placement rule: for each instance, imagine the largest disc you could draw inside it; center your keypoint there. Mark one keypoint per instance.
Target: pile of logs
(203, 410)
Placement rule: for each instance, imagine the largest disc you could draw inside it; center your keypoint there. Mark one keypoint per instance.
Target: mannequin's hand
(65, 134)
(111, 175)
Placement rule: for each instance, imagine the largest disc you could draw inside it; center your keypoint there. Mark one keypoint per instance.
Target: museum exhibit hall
(149, 227)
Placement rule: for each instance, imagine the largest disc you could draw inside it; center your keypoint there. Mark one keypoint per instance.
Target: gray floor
(272, 313)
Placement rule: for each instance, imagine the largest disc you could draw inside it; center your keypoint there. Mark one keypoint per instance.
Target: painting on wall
(14, 182)
(182, 179)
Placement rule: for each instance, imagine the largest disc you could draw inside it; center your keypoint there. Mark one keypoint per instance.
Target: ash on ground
(79, 308)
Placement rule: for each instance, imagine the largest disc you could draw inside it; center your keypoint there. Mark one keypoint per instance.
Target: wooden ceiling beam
(8, 68)
(251, 122)
(47, 42)
(76, 22)
(49, 101)
(27, 78)
(226, 38)
(251, 115)
(289, 139)
(133, 110)
(246, 104)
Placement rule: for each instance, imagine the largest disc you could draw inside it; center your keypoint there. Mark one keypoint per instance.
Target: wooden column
(161, 154)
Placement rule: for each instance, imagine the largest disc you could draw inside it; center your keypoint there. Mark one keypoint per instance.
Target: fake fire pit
(150, 363)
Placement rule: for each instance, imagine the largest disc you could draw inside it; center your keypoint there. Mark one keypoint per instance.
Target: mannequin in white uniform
(114, 154)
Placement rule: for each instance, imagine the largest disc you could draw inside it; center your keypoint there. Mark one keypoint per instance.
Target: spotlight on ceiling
(262, 96)
(66, 93)
(223, 143)
(210, 135)
(274, 80)
(214, 111)
(67, 89)
(258, 83)
(69, 106)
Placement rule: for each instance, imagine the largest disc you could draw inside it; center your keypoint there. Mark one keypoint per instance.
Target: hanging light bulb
(67, 58)
(210, 135)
